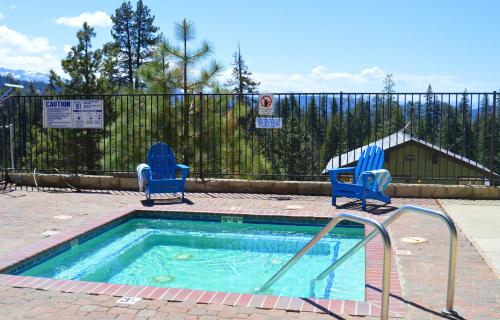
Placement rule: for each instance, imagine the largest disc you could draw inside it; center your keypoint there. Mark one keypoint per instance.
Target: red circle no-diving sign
(266, 101)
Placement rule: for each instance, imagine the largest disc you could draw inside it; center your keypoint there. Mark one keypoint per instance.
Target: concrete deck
(480, 222)
(26, 214)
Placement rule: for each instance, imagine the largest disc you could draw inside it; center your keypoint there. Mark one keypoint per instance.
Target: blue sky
(293, 45)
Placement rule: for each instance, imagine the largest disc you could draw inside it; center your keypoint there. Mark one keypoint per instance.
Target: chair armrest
(184, 170)
(333, 173)
(364, 181)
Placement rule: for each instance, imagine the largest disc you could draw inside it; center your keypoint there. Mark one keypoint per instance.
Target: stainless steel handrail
(379, 228)
(452, 259)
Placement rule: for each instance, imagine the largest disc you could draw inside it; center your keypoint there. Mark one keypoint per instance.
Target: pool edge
(369, 307)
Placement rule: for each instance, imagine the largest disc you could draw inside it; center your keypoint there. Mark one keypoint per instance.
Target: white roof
(391, 141)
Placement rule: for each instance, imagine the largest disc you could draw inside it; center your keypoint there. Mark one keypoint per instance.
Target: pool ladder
(380, 228)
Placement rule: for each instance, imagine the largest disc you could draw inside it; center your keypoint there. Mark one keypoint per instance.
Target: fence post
(493, 138)
(201, 136)
(340, 130)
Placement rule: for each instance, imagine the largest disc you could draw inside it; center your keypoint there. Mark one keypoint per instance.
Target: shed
(413, 160)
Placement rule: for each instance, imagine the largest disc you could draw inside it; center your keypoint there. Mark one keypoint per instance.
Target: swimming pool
(212, 255)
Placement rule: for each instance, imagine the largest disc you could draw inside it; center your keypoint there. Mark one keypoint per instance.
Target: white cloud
(12, 38)
(67, 48)
(20, 51)
(2, 15)
(96, 19)
(12, 7)
(320, 79)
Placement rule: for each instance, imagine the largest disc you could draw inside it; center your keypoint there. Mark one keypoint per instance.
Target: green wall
(415, 160)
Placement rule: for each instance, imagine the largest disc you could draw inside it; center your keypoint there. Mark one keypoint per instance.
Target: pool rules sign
(73, 114)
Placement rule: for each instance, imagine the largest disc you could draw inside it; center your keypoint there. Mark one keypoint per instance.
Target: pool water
(215, 256)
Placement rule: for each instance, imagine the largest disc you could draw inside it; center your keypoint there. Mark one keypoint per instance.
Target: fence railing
(449, 137)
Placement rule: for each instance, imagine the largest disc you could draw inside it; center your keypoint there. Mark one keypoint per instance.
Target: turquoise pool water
(213, 256)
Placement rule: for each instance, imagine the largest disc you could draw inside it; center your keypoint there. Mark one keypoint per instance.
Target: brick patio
(26, 214)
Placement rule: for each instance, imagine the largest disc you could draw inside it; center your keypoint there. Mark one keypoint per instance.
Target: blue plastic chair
(160, 176)
(372, 158)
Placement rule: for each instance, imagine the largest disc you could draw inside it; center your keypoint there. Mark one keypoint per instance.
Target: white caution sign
(268, 123)
(79, 114)
(266, 104)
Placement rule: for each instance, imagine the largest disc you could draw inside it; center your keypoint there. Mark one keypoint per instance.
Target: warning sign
(266, 104)
(84, 114)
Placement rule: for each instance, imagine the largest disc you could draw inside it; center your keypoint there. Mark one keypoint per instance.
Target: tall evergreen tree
(110, 78)
(484, 124)
(429, 125)
(333, 135)
(123, 35)
(82, 63)
(241, 80)
(389, 83)
(54, 85)
(465, 126)
(389, 117)
(187, 58)
(158, 74)
(144, 36)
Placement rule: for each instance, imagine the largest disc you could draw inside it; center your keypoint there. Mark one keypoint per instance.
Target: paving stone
(145, 313)
(88, 308)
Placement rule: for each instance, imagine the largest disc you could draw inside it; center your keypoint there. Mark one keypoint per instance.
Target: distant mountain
(23, 78)
(23, 75)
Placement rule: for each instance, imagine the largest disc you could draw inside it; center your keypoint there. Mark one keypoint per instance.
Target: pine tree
(158, 74)
(290, 151)
(144, 37)
(55, 83)
(429, 104)
(484, 123)
(123, 35)
(389, 83)
(186, 58)
(390, 115)
(332, 139)
(110, 78)
(82, 64)
(240, 77)
(464, 124)
(32, 91)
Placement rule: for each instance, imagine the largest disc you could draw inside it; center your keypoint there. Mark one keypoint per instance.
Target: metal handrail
(379, 228)
(452, 260)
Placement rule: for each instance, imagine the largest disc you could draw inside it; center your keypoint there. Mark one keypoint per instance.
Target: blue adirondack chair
(372, 158)
(160, 174)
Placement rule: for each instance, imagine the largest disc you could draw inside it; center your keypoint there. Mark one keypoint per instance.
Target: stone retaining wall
(126, 182)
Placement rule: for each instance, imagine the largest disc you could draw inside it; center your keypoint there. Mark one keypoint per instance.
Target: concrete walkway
(479, 220)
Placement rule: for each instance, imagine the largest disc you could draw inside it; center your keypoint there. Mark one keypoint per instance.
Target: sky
(292, 46)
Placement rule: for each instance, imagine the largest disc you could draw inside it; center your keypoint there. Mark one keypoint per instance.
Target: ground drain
(414, 240)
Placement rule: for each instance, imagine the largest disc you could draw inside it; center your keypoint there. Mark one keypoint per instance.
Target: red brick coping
(373, 277)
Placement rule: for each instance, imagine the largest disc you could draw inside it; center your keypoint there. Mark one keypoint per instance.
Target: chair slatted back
(372, 158)
(161, 160)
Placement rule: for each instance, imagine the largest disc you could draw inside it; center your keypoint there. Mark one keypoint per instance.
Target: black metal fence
(449, 137)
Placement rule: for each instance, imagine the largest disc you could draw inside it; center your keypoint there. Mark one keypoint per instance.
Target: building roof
(392, 141)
